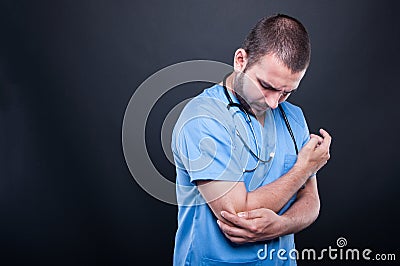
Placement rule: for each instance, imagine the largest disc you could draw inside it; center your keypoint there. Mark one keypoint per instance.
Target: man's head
(283, 36)
(274, 57)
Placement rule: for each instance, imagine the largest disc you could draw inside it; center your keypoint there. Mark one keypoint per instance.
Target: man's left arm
(305, 209)
(264, 224)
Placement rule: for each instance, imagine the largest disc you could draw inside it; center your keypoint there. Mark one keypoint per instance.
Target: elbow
(236, 204)
(272, 203)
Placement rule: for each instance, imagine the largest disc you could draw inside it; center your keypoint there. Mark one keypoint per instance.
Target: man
(246, 169)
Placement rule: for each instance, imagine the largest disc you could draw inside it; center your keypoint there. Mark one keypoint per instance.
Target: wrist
(301, 171)
(286, 225)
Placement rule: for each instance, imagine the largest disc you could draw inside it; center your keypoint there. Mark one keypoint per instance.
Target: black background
(69, 68)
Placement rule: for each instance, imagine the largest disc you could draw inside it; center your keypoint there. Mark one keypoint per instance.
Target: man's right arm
(233, 197)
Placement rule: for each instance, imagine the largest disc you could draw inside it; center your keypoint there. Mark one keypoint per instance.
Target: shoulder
(294, 113)
(206, 113)
(209, 105)
(210, 101)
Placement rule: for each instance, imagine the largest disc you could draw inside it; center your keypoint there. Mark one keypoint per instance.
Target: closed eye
(266, 86)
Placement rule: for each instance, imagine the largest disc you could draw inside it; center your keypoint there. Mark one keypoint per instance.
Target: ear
(240, 60)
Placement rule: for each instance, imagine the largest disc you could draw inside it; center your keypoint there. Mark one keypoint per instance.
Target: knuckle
(224, 228)
(240, 241)
(258, 229)
(235, 219)
(235, 240)
(249, 237)
(253, 228)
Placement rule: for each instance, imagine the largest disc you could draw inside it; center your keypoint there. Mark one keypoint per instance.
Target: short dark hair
(283, 36)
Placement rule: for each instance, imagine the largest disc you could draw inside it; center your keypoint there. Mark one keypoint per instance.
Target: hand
(315, 154)
(251, 226)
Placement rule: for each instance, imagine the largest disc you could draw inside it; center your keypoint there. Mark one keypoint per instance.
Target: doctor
(245, 161)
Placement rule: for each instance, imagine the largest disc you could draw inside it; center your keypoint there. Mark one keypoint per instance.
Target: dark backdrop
(69, 68)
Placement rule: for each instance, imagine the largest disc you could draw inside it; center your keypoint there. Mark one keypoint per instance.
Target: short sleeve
(306, 132)
(205, 148)
(298, 124)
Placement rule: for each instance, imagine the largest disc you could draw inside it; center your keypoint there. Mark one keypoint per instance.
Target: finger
(237, 240)
(232, 231)
(235, 219)
(223, 226)
(320, 139)
(327, 138)
(325, 135)
(312, 143)
(256, 213)
(323, 132)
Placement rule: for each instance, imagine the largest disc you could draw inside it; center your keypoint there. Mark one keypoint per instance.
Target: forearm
(310, 159)
(264, 224)
(233, 197)
(261, 223)
(275, 195)
(304, 210)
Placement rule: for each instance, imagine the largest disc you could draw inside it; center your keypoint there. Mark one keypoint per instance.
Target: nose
(273, 99)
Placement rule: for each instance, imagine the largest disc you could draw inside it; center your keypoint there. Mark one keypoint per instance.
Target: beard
(238, 85)
(238, 88)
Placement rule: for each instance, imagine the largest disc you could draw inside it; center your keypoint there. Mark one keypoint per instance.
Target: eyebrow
(270, 87)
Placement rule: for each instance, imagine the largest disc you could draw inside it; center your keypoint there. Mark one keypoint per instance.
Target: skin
(252, 216)
(265, 84)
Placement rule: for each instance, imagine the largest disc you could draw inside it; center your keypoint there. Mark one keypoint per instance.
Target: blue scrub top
(209, 143)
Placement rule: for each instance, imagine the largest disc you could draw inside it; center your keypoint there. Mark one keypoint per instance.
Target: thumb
(312, 143)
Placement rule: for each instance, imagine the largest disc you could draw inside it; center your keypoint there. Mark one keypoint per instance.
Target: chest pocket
(289, 161)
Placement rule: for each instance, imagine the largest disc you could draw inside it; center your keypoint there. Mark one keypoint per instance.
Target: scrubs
(210, 142)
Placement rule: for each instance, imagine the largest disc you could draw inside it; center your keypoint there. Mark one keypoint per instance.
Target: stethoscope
(256, 154)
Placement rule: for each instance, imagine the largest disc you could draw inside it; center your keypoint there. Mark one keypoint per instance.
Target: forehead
(270, 69)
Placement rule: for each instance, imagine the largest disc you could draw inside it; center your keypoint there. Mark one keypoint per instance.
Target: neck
(229, 82)
(230, 86)
(260, 116)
